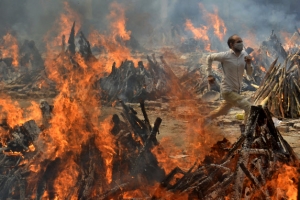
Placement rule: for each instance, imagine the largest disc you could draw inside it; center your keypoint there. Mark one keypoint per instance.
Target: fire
(133, 194)
(263, 69)
(10, 48)
(200, 33)
(15, 115)
(218, 23)
(106, 144)
(268, 54)
(66, 180)
(118, 26)
(286, 181)
(250, 39)
(114, 42)
(61, 28)
(286, 40)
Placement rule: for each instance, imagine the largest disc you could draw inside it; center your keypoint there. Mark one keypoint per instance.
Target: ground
(181, 134)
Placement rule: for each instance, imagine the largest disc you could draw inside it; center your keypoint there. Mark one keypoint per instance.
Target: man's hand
(248, 59)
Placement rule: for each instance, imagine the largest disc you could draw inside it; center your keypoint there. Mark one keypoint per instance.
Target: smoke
(31, 19)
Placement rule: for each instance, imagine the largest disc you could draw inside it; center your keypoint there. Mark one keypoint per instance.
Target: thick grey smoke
(31, 19)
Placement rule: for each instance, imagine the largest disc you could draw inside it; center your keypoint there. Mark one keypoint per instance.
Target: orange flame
(286, 179)
(62, 26)
(250, 39)
(114, 42)
(118, 26)
(105, 142)
(262, 69)
(199, 33)
(10, 48)
(218, 23)
(66, 180)
(15, 115)
(286, 37)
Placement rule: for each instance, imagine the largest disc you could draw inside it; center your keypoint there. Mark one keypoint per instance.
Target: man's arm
(248, 67)
(213, 57)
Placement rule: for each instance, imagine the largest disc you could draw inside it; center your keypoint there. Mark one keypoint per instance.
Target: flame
(66, 181)
(76, 110)
(105, 143)
(262, 68)
(250, 39)
(117, 17)
(62, 26)
(10, 48)
(287, 42)
(200, 33)
(133, 194)
(114, 42)
(31, 147)
(213, 18)
(15, 115)
(286, 180)
(196, 143)
(12, 153)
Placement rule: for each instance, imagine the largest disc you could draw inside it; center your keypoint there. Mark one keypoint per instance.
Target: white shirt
(233, 69)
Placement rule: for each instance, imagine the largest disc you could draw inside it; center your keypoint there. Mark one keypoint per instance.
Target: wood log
(268, 73)
(244, 154)
(255, 181)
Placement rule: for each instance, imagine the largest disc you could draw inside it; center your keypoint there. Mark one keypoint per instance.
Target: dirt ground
(180, 132)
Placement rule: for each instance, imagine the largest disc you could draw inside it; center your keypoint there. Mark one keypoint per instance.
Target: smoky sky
(31, 19)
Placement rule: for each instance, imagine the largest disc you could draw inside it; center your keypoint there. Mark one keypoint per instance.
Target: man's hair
(231, 40)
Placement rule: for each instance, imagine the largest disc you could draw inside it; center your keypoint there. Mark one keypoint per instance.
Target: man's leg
(222, 110)
(239, 101)
(246, 106)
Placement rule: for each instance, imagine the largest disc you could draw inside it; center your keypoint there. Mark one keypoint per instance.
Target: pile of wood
(131, 84)
(240, 171)
(268, 51)
(133, 163)
(280, 90)
(24, 80)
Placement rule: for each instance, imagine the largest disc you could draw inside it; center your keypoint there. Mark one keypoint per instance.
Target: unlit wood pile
(241, 171)
(280, 90)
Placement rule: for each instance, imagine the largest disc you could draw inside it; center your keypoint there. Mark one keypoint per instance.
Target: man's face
(237, 39)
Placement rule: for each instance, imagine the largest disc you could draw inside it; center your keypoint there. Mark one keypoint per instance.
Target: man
(234, 62)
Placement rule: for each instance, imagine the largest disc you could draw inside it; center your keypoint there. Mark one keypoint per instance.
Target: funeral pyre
(67, 152)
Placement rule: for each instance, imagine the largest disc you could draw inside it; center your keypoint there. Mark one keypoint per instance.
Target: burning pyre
(67, 152)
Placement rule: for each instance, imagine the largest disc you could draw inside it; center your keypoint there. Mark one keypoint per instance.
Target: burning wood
(245, 170)
(133, 163)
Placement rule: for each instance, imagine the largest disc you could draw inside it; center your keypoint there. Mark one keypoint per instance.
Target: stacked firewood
(133, 163)
(16, 145)
(131, 84)
(240, 171)
(269, 49)
(280, 90)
